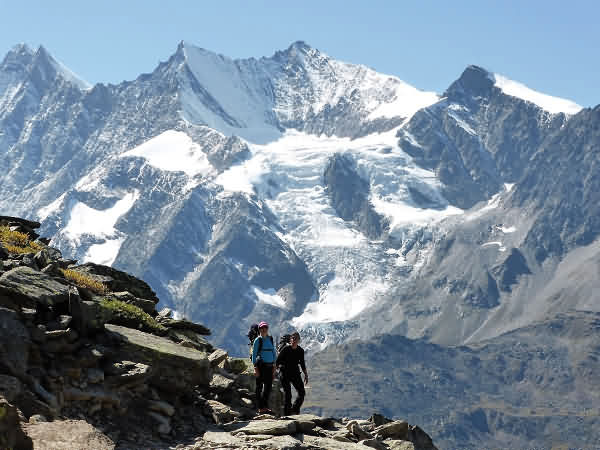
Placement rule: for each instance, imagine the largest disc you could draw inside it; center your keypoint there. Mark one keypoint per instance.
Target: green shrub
(131, 316)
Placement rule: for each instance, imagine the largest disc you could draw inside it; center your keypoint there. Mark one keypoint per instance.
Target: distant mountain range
(313, 193)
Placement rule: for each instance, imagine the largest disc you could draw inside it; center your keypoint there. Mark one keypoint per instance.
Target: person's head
(263, 328)
(295, 339)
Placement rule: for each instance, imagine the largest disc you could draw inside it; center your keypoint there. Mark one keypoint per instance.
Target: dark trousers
(264, 383)
(287, 381)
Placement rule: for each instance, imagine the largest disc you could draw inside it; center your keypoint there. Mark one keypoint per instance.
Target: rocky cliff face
(86, 360)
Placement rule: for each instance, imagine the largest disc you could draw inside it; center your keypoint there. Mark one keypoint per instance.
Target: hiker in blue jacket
(263, 358)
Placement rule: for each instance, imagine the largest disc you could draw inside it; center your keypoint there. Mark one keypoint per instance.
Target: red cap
(263, 324)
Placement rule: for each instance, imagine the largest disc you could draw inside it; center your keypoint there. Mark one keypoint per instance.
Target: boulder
(373, 443)
(89, 316)
(14, 343)
(360, 434)
(29, 287)
(330, 444)
(127, 374)
(220, 383)
(190, 339)
(118, 281)
(67, 434)
(183, 324)
(400, 445)
(11, 433)
(421, 439)
(219, 412)
(238, 365)
(148, 306)
(221, 438)
(394, 430)
(267, 426)
(174, 368)
(217, 357)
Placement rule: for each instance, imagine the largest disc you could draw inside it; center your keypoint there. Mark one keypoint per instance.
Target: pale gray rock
(217, 357)
(266, 426)
(173, 367)
(393, 430)
(219, 412)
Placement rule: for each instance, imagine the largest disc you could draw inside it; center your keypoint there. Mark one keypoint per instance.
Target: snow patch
(551, 104)
(104, 253)
(506, 230)
(501, 246)
(99, 223)
(509, 186)
(268, 296)
(173, 151)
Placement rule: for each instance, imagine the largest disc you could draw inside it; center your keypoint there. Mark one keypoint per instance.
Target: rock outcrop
(86, 361)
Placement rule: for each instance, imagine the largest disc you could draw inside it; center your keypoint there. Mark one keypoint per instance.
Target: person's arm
(303, 366)
(280, 358)
(255, 355)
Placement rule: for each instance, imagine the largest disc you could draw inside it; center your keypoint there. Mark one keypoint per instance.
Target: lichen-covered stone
(174, 367)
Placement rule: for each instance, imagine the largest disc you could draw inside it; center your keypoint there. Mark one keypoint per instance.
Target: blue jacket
(267, 353)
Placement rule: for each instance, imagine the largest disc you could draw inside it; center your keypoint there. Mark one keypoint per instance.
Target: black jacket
(289, 359)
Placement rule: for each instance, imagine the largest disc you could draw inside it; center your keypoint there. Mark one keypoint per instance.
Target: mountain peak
(19, 55)
(299, 46)
(474, 81)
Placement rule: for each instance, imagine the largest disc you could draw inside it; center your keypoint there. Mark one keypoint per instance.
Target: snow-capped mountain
(297, 188)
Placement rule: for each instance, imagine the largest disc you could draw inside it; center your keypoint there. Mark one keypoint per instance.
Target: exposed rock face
(349, 195)
(153, 383)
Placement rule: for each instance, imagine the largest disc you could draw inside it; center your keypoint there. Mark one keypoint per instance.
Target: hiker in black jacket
(288, 360)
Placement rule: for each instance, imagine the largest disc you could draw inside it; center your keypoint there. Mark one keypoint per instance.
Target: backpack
(252, 334)
(283, 341)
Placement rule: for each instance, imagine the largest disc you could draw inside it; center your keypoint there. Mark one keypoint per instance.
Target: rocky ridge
(86, 361)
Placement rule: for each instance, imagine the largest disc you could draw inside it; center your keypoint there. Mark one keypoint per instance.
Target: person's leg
(287, 390)
(259, 390)
(299, 386)
(267, 375)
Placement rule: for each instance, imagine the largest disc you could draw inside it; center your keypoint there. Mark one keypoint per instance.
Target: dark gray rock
(511, 269)
(14, 343)
(30, 288)
(349, 195)
(11, 433)
(118, 281)
(173, 367)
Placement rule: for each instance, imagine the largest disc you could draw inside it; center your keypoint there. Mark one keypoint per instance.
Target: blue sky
(551, 46)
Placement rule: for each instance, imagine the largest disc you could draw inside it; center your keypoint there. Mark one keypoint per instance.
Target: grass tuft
(17, 242)
(131, 316)
(83, 280)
